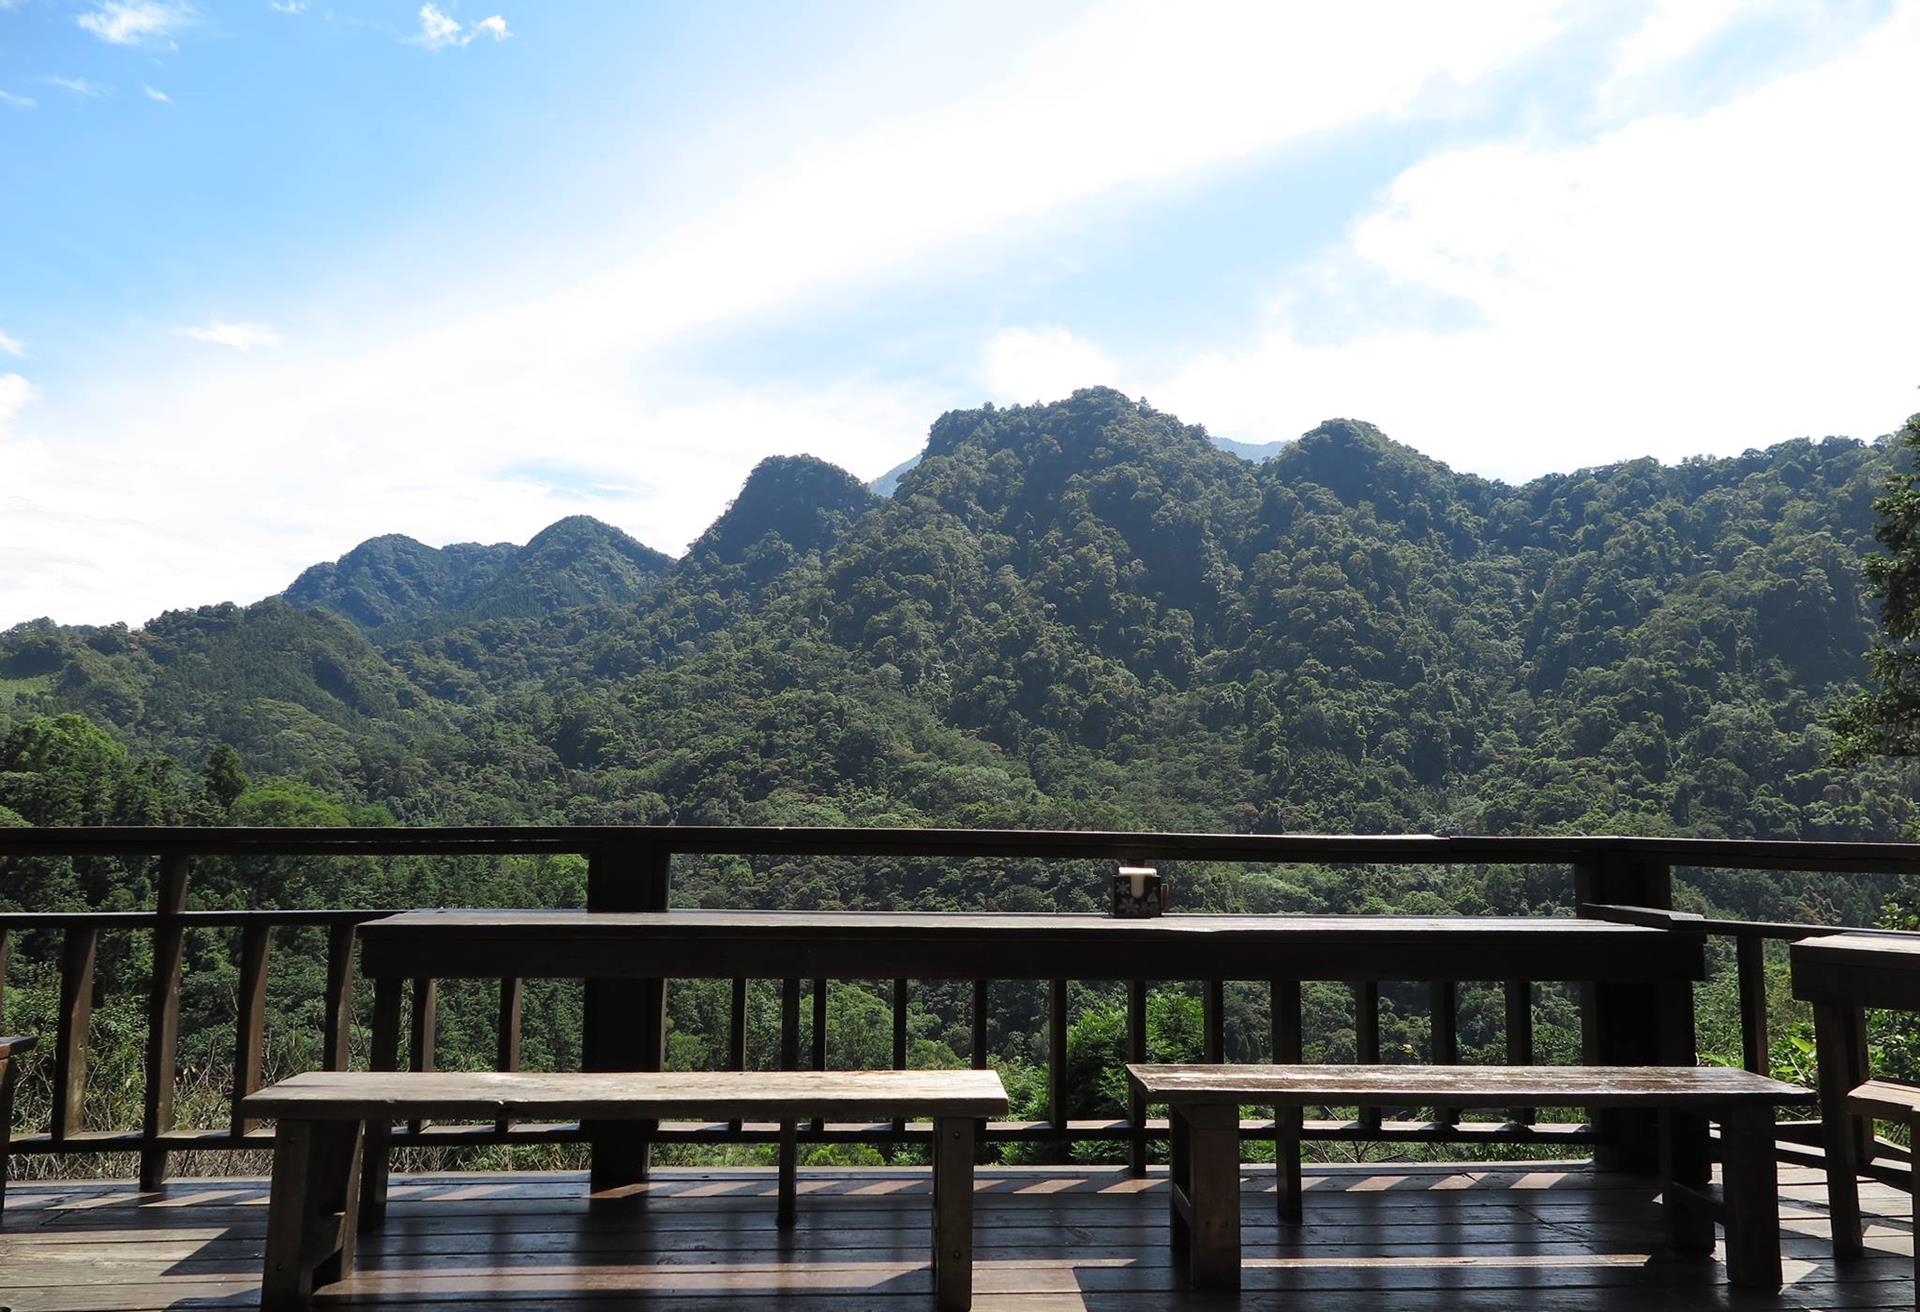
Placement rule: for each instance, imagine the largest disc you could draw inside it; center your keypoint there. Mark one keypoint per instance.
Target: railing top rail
(747, 840)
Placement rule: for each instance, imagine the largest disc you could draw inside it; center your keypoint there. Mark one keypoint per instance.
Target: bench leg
(1286, 1165)
(1686, 1170)
(310, 1211)
(1750, 1184)
(384, 1057)
(953, 1213)
(9, 1076)
(789, 1171)
(1179, 1183)
(1213, 1171)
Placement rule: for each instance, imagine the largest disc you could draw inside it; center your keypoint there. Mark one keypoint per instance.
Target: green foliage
(1075, 615)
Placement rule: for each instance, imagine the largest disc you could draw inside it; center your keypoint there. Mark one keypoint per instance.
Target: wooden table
(1639, 1004)
(964, 945)
(1842, 975)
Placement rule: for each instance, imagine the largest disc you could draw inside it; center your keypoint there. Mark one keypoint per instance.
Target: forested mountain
(393, 583)
(1084, 614)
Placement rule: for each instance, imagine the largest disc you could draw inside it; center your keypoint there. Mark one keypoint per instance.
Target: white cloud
(239, 336)
(287, 6)
(10, 345)
(15, 392)
(1681, 285)
(438, 29)
(12, 101)
(1672, 30)
(161, 96)
(1021, 365)
(78, 85)
(135, 22)
(414, 429)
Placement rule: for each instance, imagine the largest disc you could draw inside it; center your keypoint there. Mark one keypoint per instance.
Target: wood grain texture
(616, 1095)
(1463, 1086)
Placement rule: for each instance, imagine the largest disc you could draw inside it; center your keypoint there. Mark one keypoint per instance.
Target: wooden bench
(11, 1046)
(1884, 1101)
(1204, 1115)
(322, 1118)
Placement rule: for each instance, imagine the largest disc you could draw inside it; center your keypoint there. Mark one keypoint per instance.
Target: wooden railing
(1613, 878)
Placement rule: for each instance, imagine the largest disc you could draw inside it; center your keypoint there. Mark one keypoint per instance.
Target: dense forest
(1078, 615)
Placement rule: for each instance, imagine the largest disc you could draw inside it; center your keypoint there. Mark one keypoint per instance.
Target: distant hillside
(1085, 613)
(395, 584)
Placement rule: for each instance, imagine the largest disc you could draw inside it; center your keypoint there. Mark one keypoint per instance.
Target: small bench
(1884, 1101)
(11, 1046)
(1204, 1116)
(322, 1118)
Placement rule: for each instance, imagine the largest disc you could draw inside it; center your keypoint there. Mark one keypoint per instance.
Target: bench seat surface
(1463, 1086)
(722, 1095)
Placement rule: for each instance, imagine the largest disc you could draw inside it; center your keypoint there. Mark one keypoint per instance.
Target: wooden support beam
(249, 1026)
(163, 1018)
(1443, 997)
(336, 1021)
(1750, 957)
(625, 1021)
(78, 953)
(1059, 1102)
(1366, 1037)
(506, 1055)
(1137, 1051)
(1520, 1037)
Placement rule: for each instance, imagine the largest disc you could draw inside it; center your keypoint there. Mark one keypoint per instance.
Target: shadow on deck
(1377, 1238)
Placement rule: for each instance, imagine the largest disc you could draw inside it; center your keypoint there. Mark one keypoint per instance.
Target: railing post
(899, 1042)
(1213, 1021)
(1751, 963)
(1136, 1051)
(625, 1020)
(336, 1022)
(249, 1030)
(506, 1042)
(819, 1062)
(737, 1035)
(163, 1020)
(1366, 1039)
(78, 952)
(1631, 1024)
(1284, 1001)
(3, 977)
(1520, 1037)
(1444, 1017)
(1058, 1103)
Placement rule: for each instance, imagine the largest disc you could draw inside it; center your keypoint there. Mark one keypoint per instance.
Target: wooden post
(952, 1213)
(1213, 1021)
(11, 1046)
(789, 1061)
(625, 1020)
(1751, 1187)
(1520, 1037)
(78, 953)
(1621, 1024)
(1212, 1175)
(1366, 1038)
(1839, 1066)
(899, 1041)
(311, 1221)
(1058, 1103)
(1136, 1051)
(423, 1033)
(737, 1035)
(336, 1024)
(3, 978)
(506, 1040)
(249, 1027)
(163, 1020)
(819, 1038)
(1284, 996)
(1751, 960)
(1444, 1015)
(385, 1056)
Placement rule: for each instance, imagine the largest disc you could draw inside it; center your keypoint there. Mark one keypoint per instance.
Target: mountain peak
(802, 500)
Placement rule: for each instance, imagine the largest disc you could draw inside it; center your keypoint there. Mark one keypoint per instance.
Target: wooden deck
(1377, 1238)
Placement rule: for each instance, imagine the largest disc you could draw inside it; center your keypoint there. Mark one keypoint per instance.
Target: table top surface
(1462, 1085)
(1894, 951)
(897, 924)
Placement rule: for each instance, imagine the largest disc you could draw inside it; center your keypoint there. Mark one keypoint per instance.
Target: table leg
(1837, 1048)
(1179, 1182)
(953, 1213)
(1286, 1164)
(1750, 1184)
(384, 1057)
(790, 1172)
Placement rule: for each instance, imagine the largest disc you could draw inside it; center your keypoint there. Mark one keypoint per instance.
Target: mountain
(885, 485)
(395, 584)
(1085, 613)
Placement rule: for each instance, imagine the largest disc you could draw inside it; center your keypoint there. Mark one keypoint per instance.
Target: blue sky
(278, 277)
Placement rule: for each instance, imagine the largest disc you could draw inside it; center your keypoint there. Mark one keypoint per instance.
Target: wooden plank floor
(1377, 1238)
